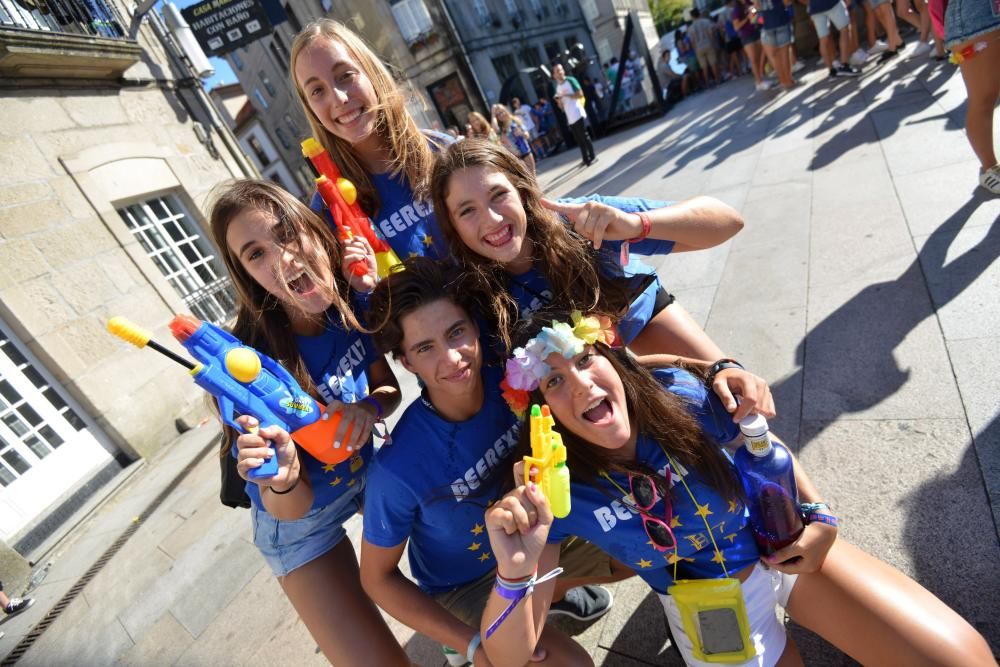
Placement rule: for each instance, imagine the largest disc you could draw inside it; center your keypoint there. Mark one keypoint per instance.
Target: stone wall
(69, 156)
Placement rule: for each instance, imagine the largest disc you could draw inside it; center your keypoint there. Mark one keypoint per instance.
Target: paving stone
(163, 644)
(875, 351)
(911, 133)
(946, 197)
(963, 276)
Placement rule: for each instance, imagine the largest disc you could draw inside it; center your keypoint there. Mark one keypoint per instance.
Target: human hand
(596, 221)
(753, 393)
(360, 416)
(518, 527)
(252, 450)
(807, 553)
(357, 249)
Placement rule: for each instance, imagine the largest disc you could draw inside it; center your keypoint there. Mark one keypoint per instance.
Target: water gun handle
(270, 466)
(331, 197)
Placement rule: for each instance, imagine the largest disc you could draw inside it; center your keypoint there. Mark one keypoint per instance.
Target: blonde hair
(407, 146)
(511, 118)
(480, 119)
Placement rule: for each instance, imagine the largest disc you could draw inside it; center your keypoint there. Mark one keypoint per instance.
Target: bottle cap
(753, 426)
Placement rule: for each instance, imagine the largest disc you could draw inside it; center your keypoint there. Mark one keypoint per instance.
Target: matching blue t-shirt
(432, 485)
(338, 363)
(532, 292)
(774, 14)
(606, 516)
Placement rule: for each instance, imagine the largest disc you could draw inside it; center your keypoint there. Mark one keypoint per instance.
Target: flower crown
(527, 367)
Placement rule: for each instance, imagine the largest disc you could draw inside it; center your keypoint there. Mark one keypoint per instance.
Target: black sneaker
(888, 55)
(846, 70)
(17, 605)
(584, 603)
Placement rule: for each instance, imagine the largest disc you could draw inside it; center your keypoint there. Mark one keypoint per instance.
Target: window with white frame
(412, 18)
(173, 240)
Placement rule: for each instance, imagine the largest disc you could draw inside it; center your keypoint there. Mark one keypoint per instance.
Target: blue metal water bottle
(768, 478)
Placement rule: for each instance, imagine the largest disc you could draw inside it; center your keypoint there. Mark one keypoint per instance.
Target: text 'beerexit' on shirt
(403, 218)
(494, 457)
(332, 386)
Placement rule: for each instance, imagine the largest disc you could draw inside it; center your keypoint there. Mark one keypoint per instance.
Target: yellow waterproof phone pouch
(715, 619)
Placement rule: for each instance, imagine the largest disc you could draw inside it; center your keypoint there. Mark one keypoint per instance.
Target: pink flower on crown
(525, 369)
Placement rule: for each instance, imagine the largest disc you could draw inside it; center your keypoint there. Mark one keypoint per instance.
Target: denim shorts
(780, 36)
(287, 545)
(836, 15)
(761, 591)
(877, 3)
(965, 20)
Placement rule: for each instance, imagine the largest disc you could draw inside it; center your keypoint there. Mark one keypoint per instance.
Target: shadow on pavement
(846, 361)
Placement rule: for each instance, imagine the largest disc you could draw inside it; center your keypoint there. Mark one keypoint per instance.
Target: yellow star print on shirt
(733, 504)
(485, 557)
(337, 481)
(703, 510)
(427, 239)
(731, 537)
(329, 467)
(352, 482)
(675, 521)
(643, 563)
(717, 557)
(475, 546)
(477, 529)
(672, 558)
(413, 253)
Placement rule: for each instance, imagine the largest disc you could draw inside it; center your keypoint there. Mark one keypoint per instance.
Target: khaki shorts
(578, 558)
(707, 57)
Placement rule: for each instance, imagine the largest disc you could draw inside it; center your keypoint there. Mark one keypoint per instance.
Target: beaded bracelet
(828, 519)
(515, 591)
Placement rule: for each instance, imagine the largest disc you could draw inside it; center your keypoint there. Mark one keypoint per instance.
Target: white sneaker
(920, 50)
(879, 47)
(798, 65)
(858, 58)
(990, 179)
(764, 85)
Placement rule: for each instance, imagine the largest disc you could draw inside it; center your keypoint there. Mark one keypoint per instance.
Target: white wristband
(470, 652)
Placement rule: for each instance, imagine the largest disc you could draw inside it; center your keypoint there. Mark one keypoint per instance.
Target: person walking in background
(733, 46)
(776, 36)
(513, 136)
(823, 13)
(523, 113)
(882, 9)
(744, 20)
(478, 127)
(569, 96)
(13, 606)
(702, 33)
(921, 21)
(972, 33)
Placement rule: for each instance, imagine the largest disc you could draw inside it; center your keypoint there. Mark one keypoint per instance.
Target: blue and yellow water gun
(548, 457)
(246, 382)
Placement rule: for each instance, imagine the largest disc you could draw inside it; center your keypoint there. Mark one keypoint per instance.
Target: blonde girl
(292, 305)
(358, 112)
(480, 128)
(513, 136)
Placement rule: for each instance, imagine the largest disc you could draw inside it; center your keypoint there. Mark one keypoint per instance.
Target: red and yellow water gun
(341, 197)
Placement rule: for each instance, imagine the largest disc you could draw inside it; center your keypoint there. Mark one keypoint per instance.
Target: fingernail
(336, 444)
(350, 449)
(531, 485)
(326, 416)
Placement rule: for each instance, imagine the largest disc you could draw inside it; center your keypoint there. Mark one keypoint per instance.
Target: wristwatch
(721, 365)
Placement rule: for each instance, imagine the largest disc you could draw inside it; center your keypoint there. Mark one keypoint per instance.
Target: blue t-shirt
(419, 488)
(774, 14)
(607, 518)
(531, 290)
(338, 363)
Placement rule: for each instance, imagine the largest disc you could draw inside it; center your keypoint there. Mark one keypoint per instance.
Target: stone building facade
(108, 152)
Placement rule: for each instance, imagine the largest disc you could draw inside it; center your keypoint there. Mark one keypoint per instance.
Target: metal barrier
(96, 18)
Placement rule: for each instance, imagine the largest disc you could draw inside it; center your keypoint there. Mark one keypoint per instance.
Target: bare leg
(560, 650)
(674, 331)
(328, 597)
(879, 616)
(753, 55)
(846, 37)
(870, 31)
(826, 51)
(983, 86)
(884, 15)
(903, 12)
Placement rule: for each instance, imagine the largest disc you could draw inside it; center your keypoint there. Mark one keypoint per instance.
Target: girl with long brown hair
(499, 227)
(358, 113)
(652, 486)
(292, 304)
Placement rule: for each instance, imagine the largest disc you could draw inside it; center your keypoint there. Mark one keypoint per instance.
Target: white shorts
(762, 590)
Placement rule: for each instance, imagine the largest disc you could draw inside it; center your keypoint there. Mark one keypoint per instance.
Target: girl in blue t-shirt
(358, 113)
(500, 228)
(652, 486)
(292, 305)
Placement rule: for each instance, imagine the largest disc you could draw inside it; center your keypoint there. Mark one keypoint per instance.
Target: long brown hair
(567, 260)
(655, 412)
(261, 320)
(407, 146)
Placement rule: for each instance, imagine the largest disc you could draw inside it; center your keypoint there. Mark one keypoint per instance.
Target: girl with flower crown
(651, 485)
(498, 226)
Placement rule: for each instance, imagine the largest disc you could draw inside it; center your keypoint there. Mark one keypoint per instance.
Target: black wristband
(721, 365)
(288, 490)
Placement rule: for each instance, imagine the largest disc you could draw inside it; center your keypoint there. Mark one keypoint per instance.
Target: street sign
(221, 26)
